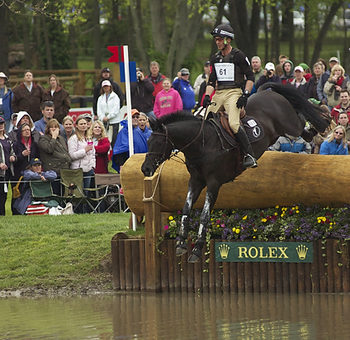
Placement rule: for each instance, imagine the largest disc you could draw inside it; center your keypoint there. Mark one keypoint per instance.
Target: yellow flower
(277, 206)
(218, 226)
(276, 214)
(263, 220)
(238, 231)
(255, 230)
(170, 218)
(297, 211)
(244, 217)
(172, 223)
(254, 236)
(233, 229)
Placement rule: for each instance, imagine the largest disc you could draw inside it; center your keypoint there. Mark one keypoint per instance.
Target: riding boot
(249, 160)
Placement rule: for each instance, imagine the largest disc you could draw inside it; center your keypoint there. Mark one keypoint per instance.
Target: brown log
(299, 182)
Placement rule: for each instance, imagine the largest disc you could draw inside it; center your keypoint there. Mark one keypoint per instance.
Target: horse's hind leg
(210, 199)
(194, 189)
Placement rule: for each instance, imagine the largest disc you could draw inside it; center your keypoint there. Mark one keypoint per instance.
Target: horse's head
(159, 148)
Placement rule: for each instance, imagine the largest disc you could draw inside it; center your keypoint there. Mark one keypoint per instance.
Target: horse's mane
(177, 116)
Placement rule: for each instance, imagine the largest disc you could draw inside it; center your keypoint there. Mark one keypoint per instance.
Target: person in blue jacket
(6, 96)
(289, 143)
(121, 146)
(335, 144)
(182, 85)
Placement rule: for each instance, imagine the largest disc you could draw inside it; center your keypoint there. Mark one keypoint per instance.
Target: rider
(230, 72)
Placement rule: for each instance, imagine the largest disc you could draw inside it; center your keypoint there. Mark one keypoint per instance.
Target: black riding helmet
(223, 31)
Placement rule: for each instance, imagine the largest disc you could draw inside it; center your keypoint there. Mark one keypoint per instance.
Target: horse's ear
(153, 123)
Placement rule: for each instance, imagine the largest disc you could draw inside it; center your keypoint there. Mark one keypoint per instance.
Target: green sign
(264, 252)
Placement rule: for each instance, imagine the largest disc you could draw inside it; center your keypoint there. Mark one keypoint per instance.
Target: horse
(211, 161)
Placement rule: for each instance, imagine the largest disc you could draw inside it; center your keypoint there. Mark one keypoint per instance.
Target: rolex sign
(264, 252)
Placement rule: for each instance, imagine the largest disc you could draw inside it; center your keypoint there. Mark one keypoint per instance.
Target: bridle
(168, 141)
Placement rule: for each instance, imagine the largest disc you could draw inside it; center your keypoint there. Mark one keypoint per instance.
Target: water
(177, 316)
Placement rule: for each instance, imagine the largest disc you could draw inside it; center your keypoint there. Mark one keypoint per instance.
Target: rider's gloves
(242, 100)
(206, 101)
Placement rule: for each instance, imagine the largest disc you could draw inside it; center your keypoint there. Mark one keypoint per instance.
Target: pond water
(177, 316)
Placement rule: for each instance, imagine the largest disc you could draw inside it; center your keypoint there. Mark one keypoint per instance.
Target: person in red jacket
(156, 77)
(102, 147)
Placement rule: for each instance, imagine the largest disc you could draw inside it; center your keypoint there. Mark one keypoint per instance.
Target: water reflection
(177, 316)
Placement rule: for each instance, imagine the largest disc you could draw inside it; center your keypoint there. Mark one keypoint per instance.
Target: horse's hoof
(193, 258)
(180, 251)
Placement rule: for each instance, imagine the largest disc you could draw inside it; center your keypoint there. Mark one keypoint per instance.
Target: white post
(128, 110)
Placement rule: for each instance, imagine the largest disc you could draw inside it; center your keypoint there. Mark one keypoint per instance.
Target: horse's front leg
(210, 199)
(194, 189)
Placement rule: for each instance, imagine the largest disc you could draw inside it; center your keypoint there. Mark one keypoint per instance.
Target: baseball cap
(3, 75)
(334, 59)
(270, 66)
(106, 83)
(35, 161)
(2, 120)
(184, 71)
(299, 68)
(106, 69)
(87, 116)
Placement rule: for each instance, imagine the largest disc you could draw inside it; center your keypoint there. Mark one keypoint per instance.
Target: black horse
(211, 160)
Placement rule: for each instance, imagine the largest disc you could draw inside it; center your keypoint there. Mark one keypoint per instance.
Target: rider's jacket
(230, 71)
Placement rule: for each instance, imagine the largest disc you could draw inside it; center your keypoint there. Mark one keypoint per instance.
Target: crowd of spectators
(35, 122)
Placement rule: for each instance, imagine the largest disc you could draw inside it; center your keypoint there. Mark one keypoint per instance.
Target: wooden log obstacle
(281, 178)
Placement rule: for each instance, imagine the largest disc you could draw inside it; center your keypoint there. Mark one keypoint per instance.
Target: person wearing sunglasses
(335, 144)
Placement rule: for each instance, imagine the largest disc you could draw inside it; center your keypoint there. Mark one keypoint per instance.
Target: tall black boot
(249, 160)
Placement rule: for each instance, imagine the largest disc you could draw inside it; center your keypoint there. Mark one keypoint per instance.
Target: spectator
(298, 77)
(335, 144)
(310, 88)
(7, 158)
(54, 152)
(108, 107)
(102, 147)
(106, 75)
(203, 77)
(82, 151)
(343, 106)
(68, 127)
(88, 117)
(33, 173)
(121, 147)
(268, 76)
(279, 70)
(48, 112)
(143, 125)
(23, 117)
(167, 101)
(257, 69)
(292, 144)
(142, 94)
(13, 121)
(343, 119)
(307, 71)
(59, 96)
(156, 77)
(335, 83)
(6, 97)
(183, 86)
(27, 97)
(325, 76)
(287, 68)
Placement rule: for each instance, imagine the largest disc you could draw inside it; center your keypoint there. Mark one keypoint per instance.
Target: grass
(55, 251)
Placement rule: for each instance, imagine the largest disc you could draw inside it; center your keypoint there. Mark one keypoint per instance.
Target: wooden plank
(248, 277)
(256, 277)
(233, 277)
(279, 277)
(263, 277)
(142, 265)
(152, 229)
(177, 270)
(226, 276)
(315, 277)
(293, 278)
(164, 272)
(240, 277)
(171, 264)
(205, 272)
(184, 270)
(337, 272)
(307, 270)
(271, 277)
(301, 277)
(115, 264)
(285, 276)
(345, 260)
(212, 265)
(128, 264)
(330, 277)
(121, 264)
(322, 258)
(135, 253)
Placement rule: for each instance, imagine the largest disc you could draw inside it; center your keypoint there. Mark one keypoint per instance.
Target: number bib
(225, 71)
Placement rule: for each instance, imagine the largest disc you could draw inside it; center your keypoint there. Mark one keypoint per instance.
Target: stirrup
(249, 161)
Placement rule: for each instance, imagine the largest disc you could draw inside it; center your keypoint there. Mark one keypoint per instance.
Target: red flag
(118, 54)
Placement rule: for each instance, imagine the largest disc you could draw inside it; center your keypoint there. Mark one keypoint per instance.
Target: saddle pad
(253, 128)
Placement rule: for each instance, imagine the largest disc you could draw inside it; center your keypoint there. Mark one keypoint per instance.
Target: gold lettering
(272, 252)
(241, 251)
(283, 252)
(261, 253)
(250, 252)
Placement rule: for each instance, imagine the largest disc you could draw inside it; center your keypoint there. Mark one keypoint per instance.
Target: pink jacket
(167, 102)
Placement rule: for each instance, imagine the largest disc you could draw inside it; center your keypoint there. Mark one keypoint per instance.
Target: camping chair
(74, 192)
(114, 200)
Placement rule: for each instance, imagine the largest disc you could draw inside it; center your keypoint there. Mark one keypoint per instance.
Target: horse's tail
(312, 113)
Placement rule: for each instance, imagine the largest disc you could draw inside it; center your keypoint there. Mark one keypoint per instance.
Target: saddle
(253, 128)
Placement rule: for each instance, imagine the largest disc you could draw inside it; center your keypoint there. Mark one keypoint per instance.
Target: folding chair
(74, 192)
(114, 200)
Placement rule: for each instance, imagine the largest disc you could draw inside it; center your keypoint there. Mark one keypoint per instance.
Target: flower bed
(297, 223)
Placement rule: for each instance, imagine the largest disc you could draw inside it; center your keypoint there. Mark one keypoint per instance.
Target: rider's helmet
(223, 31)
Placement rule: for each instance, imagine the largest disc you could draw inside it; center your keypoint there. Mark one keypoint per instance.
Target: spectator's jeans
(87, 180)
